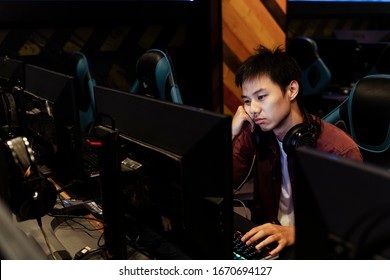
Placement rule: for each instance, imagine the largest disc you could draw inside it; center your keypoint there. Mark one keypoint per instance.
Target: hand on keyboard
(249, 252)
(267, 233)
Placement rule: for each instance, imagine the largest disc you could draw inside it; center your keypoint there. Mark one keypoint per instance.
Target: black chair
(156, 77)
(365, 115)
(382, 65)
(315, 74)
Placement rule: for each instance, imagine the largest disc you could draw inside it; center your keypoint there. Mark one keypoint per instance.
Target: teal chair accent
(77, 66)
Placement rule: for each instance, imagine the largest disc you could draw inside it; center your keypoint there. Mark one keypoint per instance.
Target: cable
(244, 206)
(67, 186)
(83, 254)
(39, 220)
(75, 217)
(247, 176)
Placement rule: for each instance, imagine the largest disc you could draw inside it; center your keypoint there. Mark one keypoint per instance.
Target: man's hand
(239, 118)
(269, 233)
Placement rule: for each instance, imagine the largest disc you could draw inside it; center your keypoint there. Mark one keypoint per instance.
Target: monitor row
(164, 162)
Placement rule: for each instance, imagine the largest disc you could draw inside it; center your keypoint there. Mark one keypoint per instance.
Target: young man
(266, 130)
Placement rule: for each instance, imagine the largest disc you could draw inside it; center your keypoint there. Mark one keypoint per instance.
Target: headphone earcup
(29, 197)
(303, 134)
(35, 199)
(300, 135)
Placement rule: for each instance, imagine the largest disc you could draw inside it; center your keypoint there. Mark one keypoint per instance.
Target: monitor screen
(341, 208)
(178, 186)
(50, 120)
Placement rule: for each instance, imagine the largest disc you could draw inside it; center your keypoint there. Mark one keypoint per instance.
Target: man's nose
(255, 107)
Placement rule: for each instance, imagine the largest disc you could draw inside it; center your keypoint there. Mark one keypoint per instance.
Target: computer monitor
(177, 162)
(341, 208)
(51, 122)
(11, 82)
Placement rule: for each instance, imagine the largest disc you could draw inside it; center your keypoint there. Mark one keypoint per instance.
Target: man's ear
(292, 90)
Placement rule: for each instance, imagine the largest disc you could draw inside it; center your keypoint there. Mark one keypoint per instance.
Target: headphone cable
(247, 176)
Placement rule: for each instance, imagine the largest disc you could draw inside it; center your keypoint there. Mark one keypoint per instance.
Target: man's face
(266, 104)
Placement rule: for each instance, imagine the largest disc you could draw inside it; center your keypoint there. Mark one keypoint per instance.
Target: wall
(245, 25)
(114, 36)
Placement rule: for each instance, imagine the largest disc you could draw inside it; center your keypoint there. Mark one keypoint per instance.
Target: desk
(68, 236)
(65, 236)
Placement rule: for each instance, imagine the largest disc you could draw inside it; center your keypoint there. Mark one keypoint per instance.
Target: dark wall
(350, 36)
(113, 34)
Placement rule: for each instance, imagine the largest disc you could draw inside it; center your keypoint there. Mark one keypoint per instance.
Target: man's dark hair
(279, 66)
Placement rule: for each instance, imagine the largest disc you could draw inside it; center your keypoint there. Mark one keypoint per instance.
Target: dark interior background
(113, 34)
(350, 34)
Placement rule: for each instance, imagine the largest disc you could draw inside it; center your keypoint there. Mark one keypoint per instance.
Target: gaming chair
(382, 66)
(315, 74)
(156, 77)
(365, 116)
(77, 66)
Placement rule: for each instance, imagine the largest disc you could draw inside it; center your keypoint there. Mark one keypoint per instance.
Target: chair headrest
(369, 114)
(315, 74)
(382, 66)
(304, 50)
(156, 77)
(154, 71)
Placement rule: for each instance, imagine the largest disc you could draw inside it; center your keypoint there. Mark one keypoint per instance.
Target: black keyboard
(241, 251)
(90, 169)
(90, 161)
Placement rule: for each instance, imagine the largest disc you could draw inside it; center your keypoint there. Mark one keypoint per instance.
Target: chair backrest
(382, 65)
(315, 74)
(156, 77)
(78, 67)
(366, 113)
